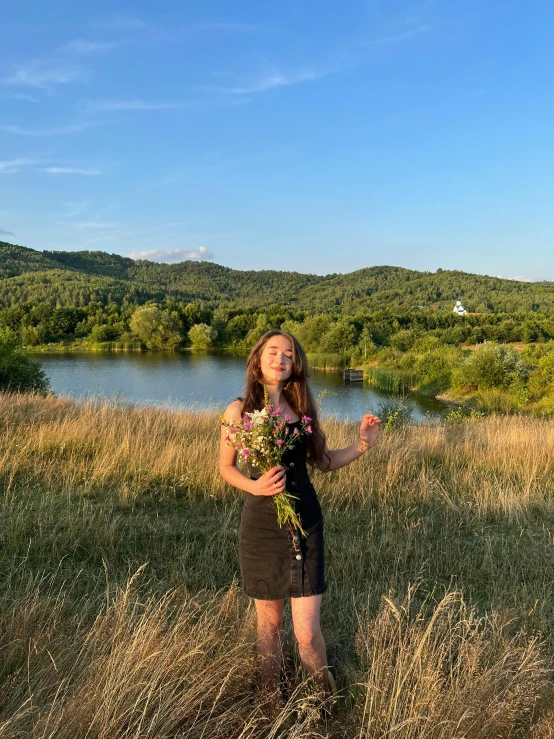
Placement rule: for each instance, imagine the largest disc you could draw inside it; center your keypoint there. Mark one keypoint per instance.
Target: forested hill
(78, 278)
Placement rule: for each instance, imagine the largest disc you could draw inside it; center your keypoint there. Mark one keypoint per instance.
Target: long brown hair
(296, 391)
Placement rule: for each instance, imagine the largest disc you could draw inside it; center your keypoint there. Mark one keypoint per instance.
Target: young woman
(278, 563)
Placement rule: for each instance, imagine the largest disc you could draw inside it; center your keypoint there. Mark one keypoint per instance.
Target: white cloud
(76, 208)
(274, 79)
(123, 23)
(83, 46)
(134, 105)
(55, 131)
(3, 232)
(39, 74)
(172, 255)
(88, 225)
(72, 170)
(11, 166)
(517, 279)
(25, 96)
(402, 35)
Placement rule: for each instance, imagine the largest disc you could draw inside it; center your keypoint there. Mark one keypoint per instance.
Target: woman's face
(276, 359)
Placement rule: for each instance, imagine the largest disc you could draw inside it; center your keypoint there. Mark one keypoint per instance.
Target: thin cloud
(274, 79)
(246, 27)
(73, 170)
(135, 105)
(95, 225)
(75, 208)
(172, 256)
(44, 76)
(3, 232)
(25, 96)
(11, 166)
(55, 131)
(123, 23)
(84, 46)
(393, 38)
(105, 237)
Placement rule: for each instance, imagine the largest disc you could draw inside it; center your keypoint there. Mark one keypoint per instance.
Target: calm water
(203, 382)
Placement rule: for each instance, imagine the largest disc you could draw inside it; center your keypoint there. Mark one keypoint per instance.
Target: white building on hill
(459, 308)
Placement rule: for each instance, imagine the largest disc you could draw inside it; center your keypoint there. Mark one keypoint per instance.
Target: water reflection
(205, 382)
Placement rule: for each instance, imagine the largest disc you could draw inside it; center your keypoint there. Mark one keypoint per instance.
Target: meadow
(121, 613)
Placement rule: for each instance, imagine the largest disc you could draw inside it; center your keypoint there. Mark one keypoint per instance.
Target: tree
(155, 328)
(339, 338)
(202, 336)
(17, 371)
(366, 342)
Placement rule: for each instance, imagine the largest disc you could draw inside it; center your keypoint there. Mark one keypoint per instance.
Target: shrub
(434, 369)
(17, 370)
(495, 400)
(491, 366)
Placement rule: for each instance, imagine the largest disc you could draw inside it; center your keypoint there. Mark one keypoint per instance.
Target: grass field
(121, 615)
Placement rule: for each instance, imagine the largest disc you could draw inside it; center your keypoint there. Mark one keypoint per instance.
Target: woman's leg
(270, 619)
(311, 645)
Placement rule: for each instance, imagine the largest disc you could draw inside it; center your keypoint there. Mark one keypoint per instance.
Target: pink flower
(247, 426)
(279, 442)
(287, 418)
(309, 429)
(246, 452)
(306, 419)
(277, 411)
(227, 437)
(232, 431)
(296, 431)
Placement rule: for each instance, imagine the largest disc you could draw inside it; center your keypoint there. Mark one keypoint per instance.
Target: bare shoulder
(233, 411)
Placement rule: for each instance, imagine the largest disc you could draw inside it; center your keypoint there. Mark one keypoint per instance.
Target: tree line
(171, 324)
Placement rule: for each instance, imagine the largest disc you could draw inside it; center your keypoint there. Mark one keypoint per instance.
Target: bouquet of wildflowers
(261, 439)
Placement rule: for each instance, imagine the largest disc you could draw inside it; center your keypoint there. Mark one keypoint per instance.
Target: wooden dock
(353, 375)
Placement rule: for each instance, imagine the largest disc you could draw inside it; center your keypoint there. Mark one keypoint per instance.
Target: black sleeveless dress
(275, 562)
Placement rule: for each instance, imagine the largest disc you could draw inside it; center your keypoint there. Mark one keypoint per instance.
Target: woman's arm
(269, 484)
(369, 431)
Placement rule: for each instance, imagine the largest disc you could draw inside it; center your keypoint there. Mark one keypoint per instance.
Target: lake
(205, 382)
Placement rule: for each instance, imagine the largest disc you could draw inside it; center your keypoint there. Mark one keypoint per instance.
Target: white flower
(258, 418)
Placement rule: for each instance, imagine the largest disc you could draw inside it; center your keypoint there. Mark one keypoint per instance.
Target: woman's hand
(270, 483)
(369, 430)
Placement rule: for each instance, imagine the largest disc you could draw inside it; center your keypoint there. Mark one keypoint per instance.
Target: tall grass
(121, 616)
(391, 380)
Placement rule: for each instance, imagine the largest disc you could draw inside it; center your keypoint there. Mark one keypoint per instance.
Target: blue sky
(312, 136)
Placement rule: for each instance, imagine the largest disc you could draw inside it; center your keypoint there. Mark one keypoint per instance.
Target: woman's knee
(308, 638)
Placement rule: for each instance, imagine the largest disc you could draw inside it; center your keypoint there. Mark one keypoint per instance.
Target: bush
(104, 332)
(434, 369)
(394, 415)
(490, 366)
(17, 371)
(495, 400)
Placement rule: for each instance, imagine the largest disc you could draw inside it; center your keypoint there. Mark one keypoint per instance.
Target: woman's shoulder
(233, 411)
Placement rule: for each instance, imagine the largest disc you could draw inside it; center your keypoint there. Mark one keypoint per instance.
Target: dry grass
(120, 614)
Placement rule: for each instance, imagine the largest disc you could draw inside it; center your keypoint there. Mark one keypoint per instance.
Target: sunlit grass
(120, 613)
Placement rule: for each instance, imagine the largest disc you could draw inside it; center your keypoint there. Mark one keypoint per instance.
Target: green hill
(78, 278)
